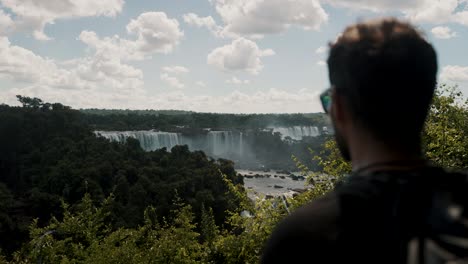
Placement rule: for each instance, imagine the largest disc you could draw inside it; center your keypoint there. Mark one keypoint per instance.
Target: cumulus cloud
(438, 12)
(102, 78)
(203, 22)
(269, 101)
(172, 81)
(321, 50)
(89, 80)
(454, 73)
(443, 32)
(378, 6)
(6, 23)
(420, 11)
(201, 84)
(195, 20)
(209, 23)
(175, 69)
(156, 33)
(34, 15)
(23, 66)
(255, 18)
(92, 98)
(241, 55)
(111, 47)
(236, 81)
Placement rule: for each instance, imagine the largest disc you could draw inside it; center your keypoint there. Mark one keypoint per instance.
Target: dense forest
(49, 155)
(67, 196)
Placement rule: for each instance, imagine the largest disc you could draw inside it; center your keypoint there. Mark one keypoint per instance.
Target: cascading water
(241, 143)
(221, 142)
(149, 140)
(297, 132)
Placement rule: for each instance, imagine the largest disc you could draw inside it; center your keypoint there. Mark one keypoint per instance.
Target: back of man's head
(386, 72)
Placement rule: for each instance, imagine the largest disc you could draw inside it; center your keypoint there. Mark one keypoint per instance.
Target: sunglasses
(326, 100)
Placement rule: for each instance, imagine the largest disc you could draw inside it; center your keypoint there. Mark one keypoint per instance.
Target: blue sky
(236, 56)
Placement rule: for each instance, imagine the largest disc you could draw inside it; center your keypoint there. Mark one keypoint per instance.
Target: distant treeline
(121, 120)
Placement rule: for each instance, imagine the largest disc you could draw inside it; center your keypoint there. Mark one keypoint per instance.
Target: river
(259, 183)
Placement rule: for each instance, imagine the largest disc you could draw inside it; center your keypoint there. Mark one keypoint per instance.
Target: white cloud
(454, 73)
(241, 54)
(321, 63)
(321, 50)
(22, 65)
(111, 47)
(175, 69)
(439, 12)
(195, 20)
(378, 6)
(6, 23)
(209, 23)
(420, 11)
(236, 81)
(172, 81)
(102, 77)
(92, 98)
(270, 101)
(255, 18)
(34, 15)
(86, 75)
(443, 32)
(156, 33)
(201, 84)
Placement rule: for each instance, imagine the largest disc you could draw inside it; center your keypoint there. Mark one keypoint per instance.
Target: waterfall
(221, 142)
(241, 143)
(149, 140)
(297, 132)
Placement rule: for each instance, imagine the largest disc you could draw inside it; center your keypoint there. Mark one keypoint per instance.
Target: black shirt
(368, 219)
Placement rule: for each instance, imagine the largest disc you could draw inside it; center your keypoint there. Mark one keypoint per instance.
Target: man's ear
(338, 107)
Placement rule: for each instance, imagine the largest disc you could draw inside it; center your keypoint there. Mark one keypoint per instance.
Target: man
(394, 207)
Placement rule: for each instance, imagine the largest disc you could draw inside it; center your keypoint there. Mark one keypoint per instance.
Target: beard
(342, 144)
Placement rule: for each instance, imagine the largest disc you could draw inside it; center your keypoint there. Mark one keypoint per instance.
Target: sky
(230, 56)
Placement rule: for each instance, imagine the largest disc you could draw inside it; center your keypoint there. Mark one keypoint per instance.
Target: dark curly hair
(386, 71)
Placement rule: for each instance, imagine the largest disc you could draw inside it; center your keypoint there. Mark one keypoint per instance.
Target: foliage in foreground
(83, 236)
(445, 138)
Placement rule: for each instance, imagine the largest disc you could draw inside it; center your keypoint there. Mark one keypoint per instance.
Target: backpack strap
(445, 234)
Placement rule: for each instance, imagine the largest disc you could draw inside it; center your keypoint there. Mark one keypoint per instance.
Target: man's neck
(377, 155)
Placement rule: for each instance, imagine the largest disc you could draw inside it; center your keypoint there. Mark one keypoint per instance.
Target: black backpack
(444, 236)
(418, 216)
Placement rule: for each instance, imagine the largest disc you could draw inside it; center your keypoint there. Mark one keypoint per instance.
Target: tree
(445, 136)
(29, 102)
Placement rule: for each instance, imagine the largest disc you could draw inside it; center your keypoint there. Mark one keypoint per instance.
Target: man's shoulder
(311, 227)
(314, 216)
